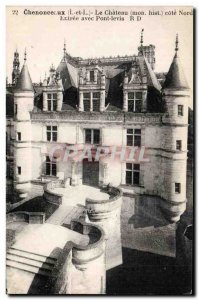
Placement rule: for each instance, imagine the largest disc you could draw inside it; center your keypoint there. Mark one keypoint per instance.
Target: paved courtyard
(76, 195)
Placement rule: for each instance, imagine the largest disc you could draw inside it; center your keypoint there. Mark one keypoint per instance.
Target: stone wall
(106, 214)
(81, 269)
(49, 194)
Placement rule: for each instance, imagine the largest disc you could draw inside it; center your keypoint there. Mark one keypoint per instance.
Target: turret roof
(175, 78)
(24, 82)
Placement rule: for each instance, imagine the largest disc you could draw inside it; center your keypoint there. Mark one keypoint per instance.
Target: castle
(106, 102)
(99, 122)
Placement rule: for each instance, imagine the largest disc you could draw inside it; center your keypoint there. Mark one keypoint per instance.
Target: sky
(43, 37)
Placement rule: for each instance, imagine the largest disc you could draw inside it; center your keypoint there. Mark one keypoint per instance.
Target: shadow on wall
(146, 213)
(37, 204)
(43, 285)
(143, 273)
(10, 237)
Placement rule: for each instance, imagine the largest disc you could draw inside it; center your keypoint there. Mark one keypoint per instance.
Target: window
(96, 101)
(91, 75)
(179, 145)
(19, 170)
(134, 137)
(51, 132)
(15, 109)
(135, 101)
(51, 167)
(92, 136)
(177, 188)
(86, 97)
(91, 98)
(132, 173)
(19, 136)
(52, 101)
(180, 110)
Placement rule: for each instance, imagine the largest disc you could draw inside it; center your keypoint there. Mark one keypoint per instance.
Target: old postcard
(99, 150)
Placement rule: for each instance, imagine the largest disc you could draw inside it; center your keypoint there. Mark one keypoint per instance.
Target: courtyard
(148, 240)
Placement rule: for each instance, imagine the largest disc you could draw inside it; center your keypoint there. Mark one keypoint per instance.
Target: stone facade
(104, 103)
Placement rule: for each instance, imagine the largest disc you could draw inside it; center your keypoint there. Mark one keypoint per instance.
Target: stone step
(30, 262)
(33, 256)
(27, 268)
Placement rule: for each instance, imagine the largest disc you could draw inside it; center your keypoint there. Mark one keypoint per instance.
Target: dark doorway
(90, 172)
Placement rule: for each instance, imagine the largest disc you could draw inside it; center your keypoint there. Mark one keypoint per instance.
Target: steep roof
(68, 74)
(24, 82)
(175, 78)
(151, 76)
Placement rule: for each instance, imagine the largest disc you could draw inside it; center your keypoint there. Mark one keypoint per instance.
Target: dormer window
(92, 76)
(86, 97)
(135, 101)
(52, 101)
(96, 101)
(91, 101)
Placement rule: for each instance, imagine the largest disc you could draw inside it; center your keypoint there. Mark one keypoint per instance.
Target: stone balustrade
(106, 214)
(103, 209)
(106, 116)
(81, 255)
(76, 263)
(49, 193)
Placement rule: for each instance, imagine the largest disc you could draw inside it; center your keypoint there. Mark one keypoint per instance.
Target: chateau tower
(176, 97)
(147, 51)
(23, 105)
(16, 68)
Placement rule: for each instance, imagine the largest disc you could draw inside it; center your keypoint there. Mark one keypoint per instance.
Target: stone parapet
(23, 216)
(80, 269)
(106, 214)
(49, 194)
(98, 210)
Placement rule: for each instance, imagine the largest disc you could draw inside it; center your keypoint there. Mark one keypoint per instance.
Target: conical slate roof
(24, 82)
(175, 78)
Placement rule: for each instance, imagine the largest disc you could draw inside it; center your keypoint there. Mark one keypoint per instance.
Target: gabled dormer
(52, 91)
(134, 89)
(92, 88)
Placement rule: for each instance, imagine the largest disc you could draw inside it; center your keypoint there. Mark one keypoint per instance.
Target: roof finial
(25, 54)
(64, 47)
(176, 43)
(141, 38)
